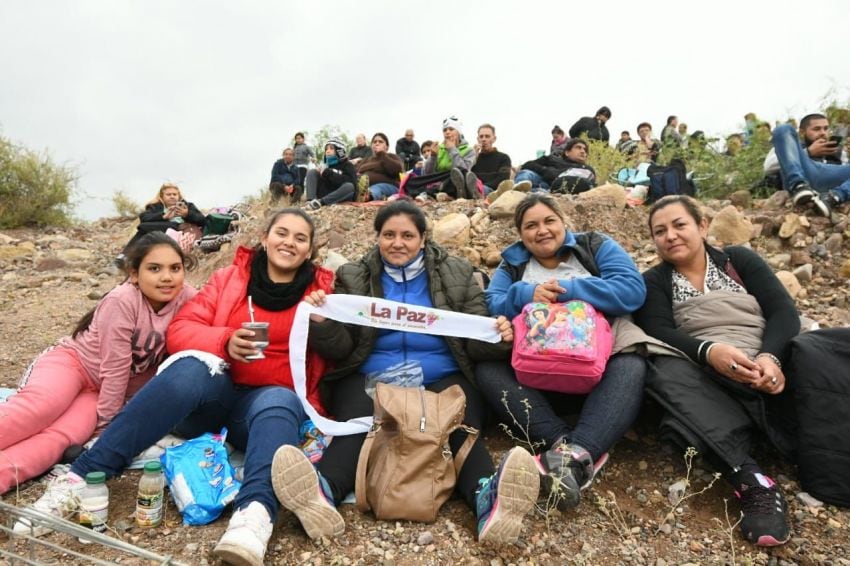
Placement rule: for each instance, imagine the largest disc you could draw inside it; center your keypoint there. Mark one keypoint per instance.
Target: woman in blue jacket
(553, 265)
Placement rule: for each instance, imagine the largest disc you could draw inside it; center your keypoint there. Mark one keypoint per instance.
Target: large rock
(741, 199)
(790, 226)
(506, 204)
(613, 195)
(790, 282)
(453, 230)
(730, 226)
(333, 260)
(14, 252)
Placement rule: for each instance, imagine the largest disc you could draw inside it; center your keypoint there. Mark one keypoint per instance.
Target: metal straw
(251, 308)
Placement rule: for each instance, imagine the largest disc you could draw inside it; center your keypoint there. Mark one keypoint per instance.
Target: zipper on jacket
(422, 418)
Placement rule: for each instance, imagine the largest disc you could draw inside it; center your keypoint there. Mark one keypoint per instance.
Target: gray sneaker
(459, 182)
(472, 186)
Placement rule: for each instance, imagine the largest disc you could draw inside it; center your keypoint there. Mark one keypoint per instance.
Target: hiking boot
(60, 499)
(522, 186)
(314, 204)
(501, 189)
(765, 520)
(506, 497)
(567, 470)
(802, 194)
(363, 188)
(472, 186)
(247, 536)
(298, 488)
(459, 182)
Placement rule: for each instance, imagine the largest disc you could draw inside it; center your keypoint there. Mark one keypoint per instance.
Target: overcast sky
(206, 94)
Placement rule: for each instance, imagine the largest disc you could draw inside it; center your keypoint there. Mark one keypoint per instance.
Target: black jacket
(782, 322)
(548, 167)
(594, 128)
(341, 173)
(154, 213)
(492, 168)
(408, 151)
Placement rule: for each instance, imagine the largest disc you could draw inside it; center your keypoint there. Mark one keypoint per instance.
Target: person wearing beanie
(379, 174)
(448, 168)
(333, 180)
(594, 127)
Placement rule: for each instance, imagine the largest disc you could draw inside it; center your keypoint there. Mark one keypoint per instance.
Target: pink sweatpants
(56, 408)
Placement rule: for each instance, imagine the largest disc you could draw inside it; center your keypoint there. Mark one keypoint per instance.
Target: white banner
(379, 313)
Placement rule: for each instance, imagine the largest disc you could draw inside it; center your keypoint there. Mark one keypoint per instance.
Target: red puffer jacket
(207, 322)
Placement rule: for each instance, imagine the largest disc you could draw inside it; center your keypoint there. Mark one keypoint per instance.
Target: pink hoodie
(124, 344)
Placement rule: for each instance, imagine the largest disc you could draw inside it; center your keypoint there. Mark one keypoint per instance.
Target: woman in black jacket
(732, 320)
(168, 209)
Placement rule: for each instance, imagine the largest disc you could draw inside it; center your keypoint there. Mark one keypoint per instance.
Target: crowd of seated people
(709, 340)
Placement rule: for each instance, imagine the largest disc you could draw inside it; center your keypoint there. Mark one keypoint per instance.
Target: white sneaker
(247, 536)
(60, 499)
(523, 186)
(296, 485)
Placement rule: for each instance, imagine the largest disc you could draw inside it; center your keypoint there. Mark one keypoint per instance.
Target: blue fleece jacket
(393, 347)
(619, 289)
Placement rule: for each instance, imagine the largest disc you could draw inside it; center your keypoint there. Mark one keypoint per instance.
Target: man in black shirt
(491, 166)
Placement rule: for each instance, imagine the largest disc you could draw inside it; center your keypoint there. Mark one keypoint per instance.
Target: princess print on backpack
(561, 346)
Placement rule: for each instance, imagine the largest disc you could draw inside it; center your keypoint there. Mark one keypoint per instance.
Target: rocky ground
(631, 515)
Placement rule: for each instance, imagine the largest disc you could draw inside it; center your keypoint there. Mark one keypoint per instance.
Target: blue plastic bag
(200, 477)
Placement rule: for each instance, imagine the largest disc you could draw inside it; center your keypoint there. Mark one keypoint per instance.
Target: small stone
(833, 243)
(191, 548)
(676, 491)
(808, 500)
(425, 538)
(642, 465)
(666, 528)
(833, 524)
(803, 273)
(94, 295)
(779, 261)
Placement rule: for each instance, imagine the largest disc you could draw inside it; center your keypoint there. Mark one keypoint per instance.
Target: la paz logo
(403, 313)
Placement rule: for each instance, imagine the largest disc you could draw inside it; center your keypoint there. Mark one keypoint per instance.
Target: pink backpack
(561, 346)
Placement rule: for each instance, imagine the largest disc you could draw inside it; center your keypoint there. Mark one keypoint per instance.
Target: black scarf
(276, 296)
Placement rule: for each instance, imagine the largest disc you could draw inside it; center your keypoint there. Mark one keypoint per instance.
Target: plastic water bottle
(150, 498)
(94, 503)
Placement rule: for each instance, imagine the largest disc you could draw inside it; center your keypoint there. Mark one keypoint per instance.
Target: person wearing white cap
(447, 169)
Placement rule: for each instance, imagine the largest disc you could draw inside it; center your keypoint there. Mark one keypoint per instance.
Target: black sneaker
(802, 194)
(765, 521)
(565, 471)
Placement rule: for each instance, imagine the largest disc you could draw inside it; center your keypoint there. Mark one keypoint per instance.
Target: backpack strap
(465, 448)
(362, 469)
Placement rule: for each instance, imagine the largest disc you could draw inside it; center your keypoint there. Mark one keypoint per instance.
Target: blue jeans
(797, 167)
(536, 180)
(186, 399)
(606, 413)
(380, 191)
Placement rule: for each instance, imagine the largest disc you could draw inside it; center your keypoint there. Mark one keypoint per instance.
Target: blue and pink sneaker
(506, 497)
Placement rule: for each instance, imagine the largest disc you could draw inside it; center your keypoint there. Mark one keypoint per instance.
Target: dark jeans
(185, 398)
(606, 414)
(317, 188)
(348, 400)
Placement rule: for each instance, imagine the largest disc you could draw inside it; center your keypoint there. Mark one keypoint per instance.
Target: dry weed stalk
(689, 459)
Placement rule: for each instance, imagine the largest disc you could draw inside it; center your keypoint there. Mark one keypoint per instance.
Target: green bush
(33, 189)
(124, 205)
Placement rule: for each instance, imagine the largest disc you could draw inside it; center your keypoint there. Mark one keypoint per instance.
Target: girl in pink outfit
(77, 386)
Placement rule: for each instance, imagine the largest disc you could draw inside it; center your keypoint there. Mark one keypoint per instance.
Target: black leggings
(432, 184)
(348, 400)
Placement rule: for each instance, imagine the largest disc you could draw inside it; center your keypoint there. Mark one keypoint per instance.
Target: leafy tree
(33, 189)
(326, 132)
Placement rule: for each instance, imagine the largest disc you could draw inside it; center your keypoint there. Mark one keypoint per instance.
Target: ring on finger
(733, 366)
(773, 380)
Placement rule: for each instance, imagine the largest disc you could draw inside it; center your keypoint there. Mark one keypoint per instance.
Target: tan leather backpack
(406, 469)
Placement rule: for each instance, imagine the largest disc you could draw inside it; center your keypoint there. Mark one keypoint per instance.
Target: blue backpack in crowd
(670, 180)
